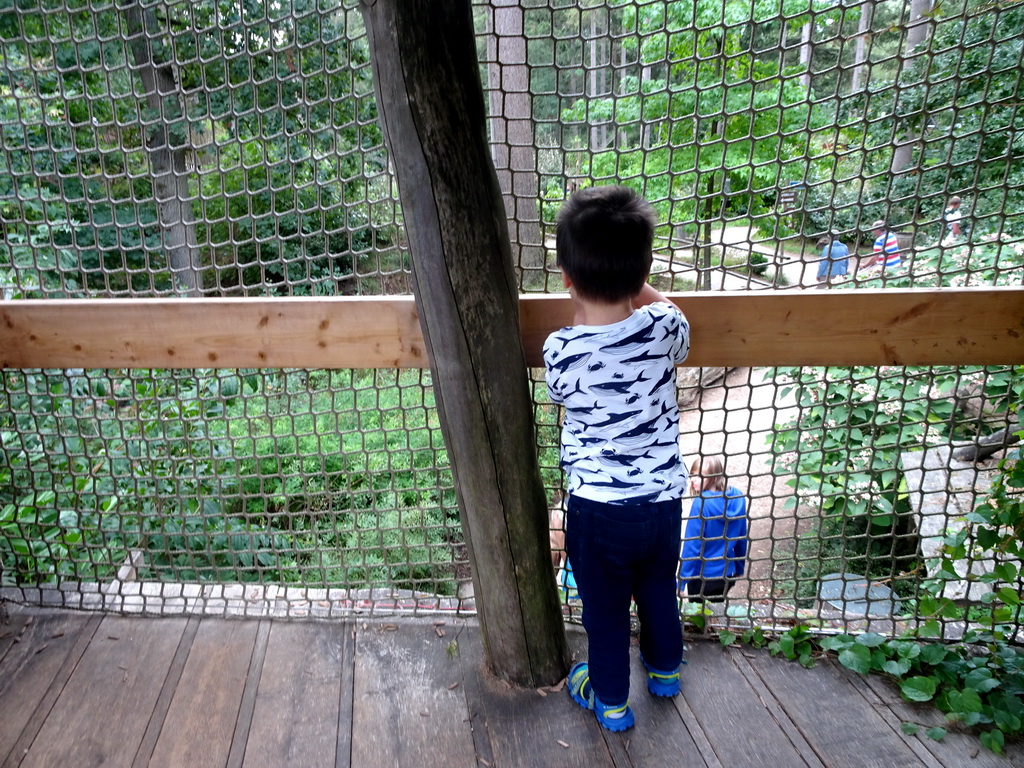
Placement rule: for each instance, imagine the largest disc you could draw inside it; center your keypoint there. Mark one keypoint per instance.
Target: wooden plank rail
(966, 326)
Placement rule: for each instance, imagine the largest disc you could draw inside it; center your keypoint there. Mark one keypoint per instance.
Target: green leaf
(871, 639)
(981, 680)
(837, 643)
(1009, 596)
(787, 646)
(896, 668)
(907, 650)
(934, 654)
(909, 728)
(727, 638)
(1006, 721)
(966, 700)
(993, 740)
(857, 658)
(936, 733)
(1005, 572)
(919, 688)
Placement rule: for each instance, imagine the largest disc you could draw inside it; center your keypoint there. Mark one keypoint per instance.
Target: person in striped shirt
(886, 248)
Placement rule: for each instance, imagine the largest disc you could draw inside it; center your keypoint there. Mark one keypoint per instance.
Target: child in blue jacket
(714, 548)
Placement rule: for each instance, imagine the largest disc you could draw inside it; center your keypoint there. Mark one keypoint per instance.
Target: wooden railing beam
(966, 326)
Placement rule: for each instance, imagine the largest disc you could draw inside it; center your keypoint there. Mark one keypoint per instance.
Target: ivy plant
(977, 681)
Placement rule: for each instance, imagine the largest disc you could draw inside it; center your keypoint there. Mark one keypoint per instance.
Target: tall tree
(432, 108)
(916, 34)
(513, 144)
(858, 75)
(168, 146)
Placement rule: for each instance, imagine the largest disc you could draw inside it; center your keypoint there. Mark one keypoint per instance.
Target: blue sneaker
(614, 719)
(661, 683)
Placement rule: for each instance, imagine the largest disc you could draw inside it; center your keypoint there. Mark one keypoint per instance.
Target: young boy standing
(613, 370)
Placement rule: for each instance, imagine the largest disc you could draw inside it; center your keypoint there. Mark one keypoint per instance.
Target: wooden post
(431, 105)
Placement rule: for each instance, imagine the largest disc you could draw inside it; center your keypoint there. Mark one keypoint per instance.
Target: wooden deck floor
(82, 689)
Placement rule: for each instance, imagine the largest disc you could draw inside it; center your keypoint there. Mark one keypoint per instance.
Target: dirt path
(736, 420)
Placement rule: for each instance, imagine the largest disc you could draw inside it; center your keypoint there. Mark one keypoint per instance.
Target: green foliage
(350, 465)
(758, 263)
(116, 457)
(992, 259)
(753, 636)
(979, 680)
(332, 478)
(962, 99)
(270, 119)
(719, 113)
(843, 448)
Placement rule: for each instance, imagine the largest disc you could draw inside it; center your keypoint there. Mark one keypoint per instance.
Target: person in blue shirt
(834, 259)
(714, 551)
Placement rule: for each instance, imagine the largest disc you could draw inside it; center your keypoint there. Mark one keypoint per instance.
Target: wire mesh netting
(233, 149)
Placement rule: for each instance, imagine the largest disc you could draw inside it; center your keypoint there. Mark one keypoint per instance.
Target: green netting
(222, 149)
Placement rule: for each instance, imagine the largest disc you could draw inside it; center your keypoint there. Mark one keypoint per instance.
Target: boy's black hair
(603, 240)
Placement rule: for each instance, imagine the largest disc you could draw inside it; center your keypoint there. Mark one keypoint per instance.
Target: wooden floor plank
(692, 726)
(729, 711)
(103, 710)
(834, 718)
(295, 719)
(471, 662)
(406, 712)
(204, 709)
(957, 748)
(14, 621)
(526, 729)
(41, 645)
(660, 735)
(87, 690)
(346, 702)
(247, 706)
(163, 703)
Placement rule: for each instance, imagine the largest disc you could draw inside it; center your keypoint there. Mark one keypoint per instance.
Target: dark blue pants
(619, 552)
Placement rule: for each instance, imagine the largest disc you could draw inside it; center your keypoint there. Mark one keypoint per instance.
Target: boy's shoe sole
(662, 683)
(583, 694)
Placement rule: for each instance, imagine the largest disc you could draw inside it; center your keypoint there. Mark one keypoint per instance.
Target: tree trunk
(512, 142)
(806, 50)
(432, 109)
(988, 445)
(858, 81)
(167, 158)
(917, 33)
(598, 76)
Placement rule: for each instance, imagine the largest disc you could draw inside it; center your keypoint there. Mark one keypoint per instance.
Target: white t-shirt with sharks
(620, 437)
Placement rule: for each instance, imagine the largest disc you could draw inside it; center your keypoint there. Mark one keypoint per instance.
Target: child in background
(715, 540)
(614, 372)
(952, 219)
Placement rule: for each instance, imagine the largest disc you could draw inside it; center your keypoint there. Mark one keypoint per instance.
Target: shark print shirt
(617, 383)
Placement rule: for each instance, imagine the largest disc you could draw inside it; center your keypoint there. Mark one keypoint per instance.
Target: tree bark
(432, 109)
(988, 445)
(857, 79)
(167, 160)
(917, 33)
(806, 51)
